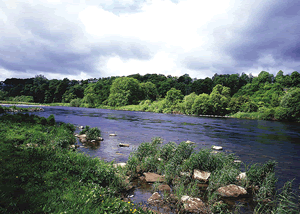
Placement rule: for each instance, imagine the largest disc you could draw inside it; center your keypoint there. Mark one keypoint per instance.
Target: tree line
(273, 96)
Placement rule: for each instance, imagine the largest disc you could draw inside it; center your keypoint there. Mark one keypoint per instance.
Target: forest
(266, 96)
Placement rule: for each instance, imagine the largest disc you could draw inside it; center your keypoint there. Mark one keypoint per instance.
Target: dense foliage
(264, 97)
(40, 173)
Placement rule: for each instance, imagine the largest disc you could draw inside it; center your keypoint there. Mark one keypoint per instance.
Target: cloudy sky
(81, 39)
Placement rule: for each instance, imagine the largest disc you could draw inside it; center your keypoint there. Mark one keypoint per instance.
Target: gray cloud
(270, 30)
(275, 32)
(40, 38)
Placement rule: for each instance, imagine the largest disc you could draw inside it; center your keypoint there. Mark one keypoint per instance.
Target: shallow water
(254, 141)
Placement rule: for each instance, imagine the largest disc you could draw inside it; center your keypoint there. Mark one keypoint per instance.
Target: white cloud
(98, 38)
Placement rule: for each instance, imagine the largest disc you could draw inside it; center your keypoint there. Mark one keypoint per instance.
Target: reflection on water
(254, 141)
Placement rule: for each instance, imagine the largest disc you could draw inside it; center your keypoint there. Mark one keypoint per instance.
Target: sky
(100, 38)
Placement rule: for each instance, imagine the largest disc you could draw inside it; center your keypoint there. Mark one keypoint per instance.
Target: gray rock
(123, 145)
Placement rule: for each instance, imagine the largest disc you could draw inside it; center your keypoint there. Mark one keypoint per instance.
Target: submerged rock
(152, 177)
(232, 191)
(201, 175)
(123, 145)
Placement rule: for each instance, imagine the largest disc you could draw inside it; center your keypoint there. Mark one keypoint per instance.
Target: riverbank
(145, 108)
(40, 172)
(176, 163)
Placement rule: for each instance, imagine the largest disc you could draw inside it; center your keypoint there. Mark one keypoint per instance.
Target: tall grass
(40, 174)
(178, 162)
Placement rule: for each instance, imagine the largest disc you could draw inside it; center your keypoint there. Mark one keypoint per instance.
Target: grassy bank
(40, 174)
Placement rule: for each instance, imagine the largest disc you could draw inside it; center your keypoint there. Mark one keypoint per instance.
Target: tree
(219, 98)
(124, 91)
(291, 102)
(188, 102)
(174, 96)
(149, 91)
(202, 105)
(295, 76)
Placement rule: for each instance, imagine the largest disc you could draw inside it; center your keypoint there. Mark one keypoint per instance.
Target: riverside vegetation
(265, 97)
(40, 173)
(177, 163)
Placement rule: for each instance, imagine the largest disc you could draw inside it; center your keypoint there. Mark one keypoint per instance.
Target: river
(253, 141)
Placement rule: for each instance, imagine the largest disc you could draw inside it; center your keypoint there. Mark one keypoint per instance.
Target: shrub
(93, 133)
(75, 102)
(166, 152)
(83, 131)
(51, 120)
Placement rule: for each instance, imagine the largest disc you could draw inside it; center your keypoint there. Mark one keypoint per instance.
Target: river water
(253, 141)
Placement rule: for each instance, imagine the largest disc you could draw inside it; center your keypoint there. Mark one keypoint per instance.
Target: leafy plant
(93, 133)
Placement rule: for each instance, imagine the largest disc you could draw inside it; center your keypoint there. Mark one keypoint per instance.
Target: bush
(93, 133)
(75, 102)
(51, 120)
(83, 131)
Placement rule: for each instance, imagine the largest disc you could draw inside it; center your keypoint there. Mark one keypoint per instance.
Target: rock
(241, 176)
(76, 135)
(118, 153)
(189, 142)
(164, 187)
(232, 191)
(123, 145)
(237, 161)
(155, 199)
(81, 127)
(184, 198)
(83, 140)
(72, 147)
(186, 174)
(217, 147)
(122, 165)
(193, 205)
(112, 134)
(201, 175)
(152, 177)
(93, 141)
(82, 136)
(100, 139)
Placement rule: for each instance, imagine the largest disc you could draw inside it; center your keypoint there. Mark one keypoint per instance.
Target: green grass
(40, 174)
(171, 160)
